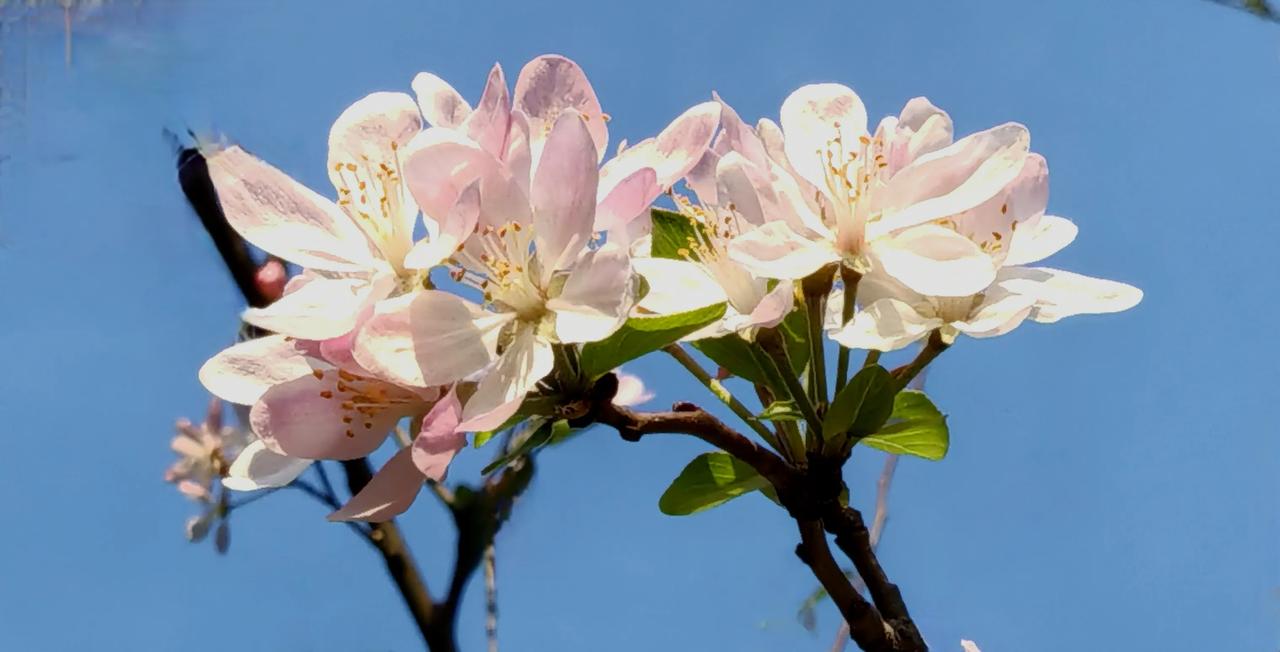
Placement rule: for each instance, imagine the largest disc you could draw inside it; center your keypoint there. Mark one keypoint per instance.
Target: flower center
(362, 399)
(372, 193)
(953, 309)
(852, 176)
(502, 264)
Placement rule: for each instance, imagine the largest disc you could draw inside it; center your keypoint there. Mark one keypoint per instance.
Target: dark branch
(865, 625)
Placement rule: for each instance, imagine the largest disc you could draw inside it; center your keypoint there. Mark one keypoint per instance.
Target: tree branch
(865, 625)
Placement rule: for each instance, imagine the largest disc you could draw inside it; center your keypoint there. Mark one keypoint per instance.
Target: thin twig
(720, 392)
(491, 597)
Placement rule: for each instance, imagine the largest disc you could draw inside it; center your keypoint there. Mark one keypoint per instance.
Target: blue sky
(1112, 482)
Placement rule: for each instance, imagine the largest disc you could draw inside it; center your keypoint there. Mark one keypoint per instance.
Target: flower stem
(814, 305)
(776, 364)
(850, 280)
(933, 347)
(722, 393)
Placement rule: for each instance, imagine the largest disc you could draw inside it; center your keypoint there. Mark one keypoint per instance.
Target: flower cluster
(477, 266)
(205, 455)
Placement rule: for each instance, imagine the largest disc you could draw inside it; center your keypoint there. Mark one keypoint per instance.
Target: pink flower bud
(271, 278)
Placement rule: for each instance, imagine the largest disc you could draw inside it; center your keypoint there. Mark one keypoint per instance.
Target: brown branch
(865, 624)
(689, 419)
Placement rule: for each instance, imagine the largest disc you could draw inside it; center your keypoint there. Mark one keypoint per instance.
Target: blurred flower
(631, 390)
(205, 455)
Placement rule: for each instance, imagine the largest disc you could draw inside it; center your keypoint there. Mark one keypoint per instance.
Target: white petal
(550, 85)
(441, 105)
(774, 250)
(283, 217)
(1039, 238)
(676, 286)
(490, 122)
(812, 117)
(773, 307)
(526, 361)
(596, 297)
(439, 164)
(885, 325)
(243, 373)
(455, 228)
(258, 467)
(956, 178)
(627, 200)
(1059, 294)
(389, 493)
(998, 314)
(364, 141)
(563, 194)
(935, 261)
(318, 308)
(631, 390)
(427, 338)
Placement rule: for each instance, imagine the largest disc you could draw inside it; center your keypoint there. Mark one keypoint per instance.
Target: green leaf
(732, 353)
(919, 429)
(709, 480)
(795, 332)
(483, 437)
(862, 406)
(781, 411)
(641, 335)
(673, 235)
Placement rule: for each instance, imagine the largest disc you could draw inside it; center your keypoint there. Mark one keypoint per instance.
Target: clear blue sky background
(1112, 483)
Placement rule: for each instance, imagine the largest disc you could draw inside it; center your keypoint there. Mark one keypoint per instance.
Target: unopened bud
(271, 278)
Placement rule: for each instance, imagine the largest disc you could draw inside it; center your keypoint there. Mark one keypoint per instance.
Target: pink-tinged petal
(526, 360)
(631, 390)
(427, 338)
(258, 467)
(774, 250)
(518, 157)
(738, 183)
(957, 178)
(596, 297)
(195, 491)
(701, 179)
(671, 155)
(364, 144)
(936, 261)
(454, 229)
(439, 164)
(285, 218)
(185, 445)
(439, 440)
(389, 493)
(773, 307)
(441, 105)
(316, 309)
(927, 129)
(242, 373)
(884, 325)
(550, 85)
(1039, 238)
(999, 313)
(328, 417)
(489, 122)
(812, 118)
(992, 223)
(563, 194)
(738, 136)
(627, 200)
(1058, 294)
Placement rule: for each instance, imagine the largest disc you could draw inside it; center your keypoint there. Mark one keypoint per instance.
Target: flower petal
(441, 105)
(676, 286)
(489, 123)
(427, 338)
(439, 164)
(936, 261)
(389, 493)
(317, 308)
(1039, 238)
(884, 325)
(242, 373)
(258, 467)
(1059, 294)
(438, 440)
(563, 194)
(285, 218)
(631, 390)
(812, 117)
(956, 178)
(596, 297)
(364, 144)
(671, 155)
(999, 313)
(627, 200)
(773, 307)
(317, 418)
(774, 250)
(550, 85)
(454, 229)
(526, 361)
